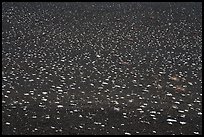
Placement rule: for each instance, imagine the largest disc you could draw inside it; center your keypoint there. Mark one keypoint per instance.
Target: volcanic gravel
(99, 68)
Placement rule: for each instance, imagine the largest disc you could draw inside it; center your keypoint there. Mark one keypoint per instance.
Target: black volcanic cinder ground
(101, 68)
